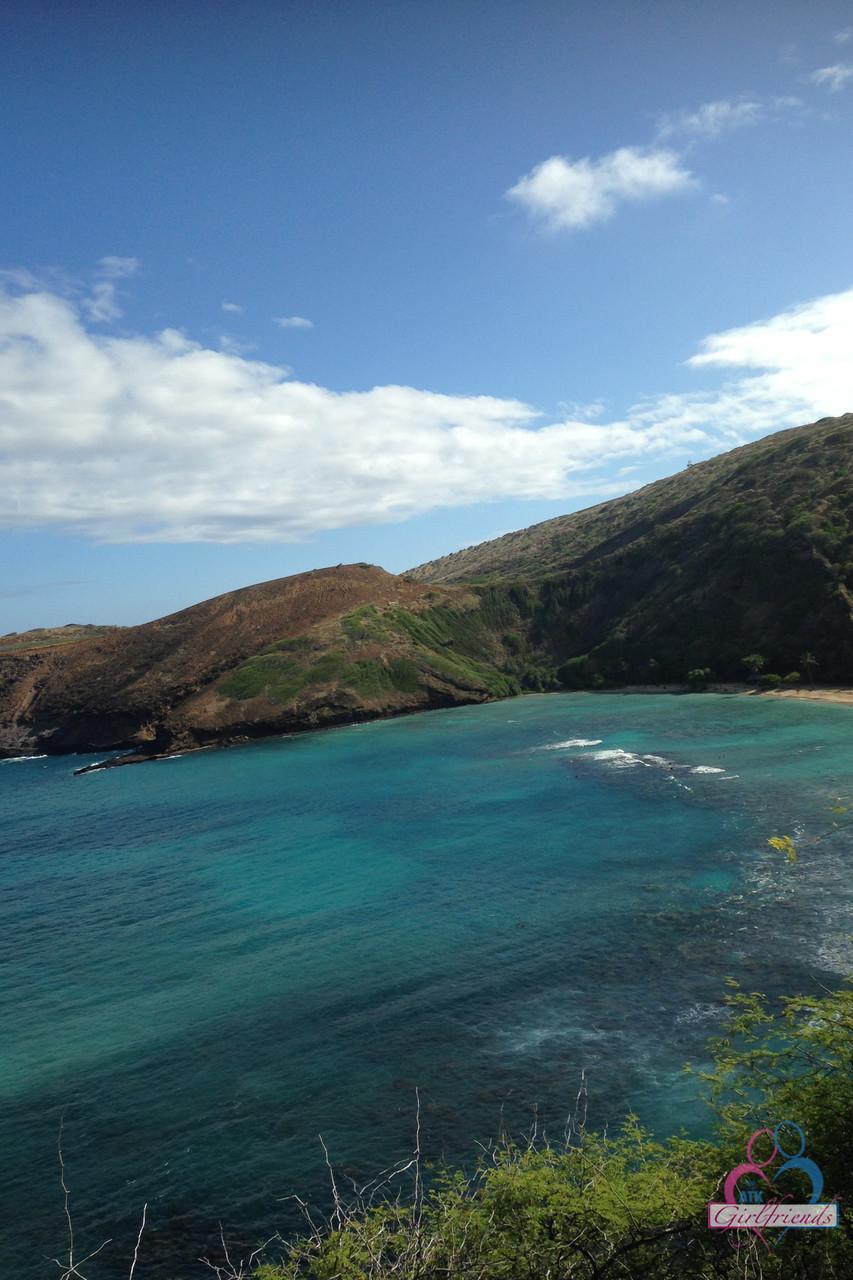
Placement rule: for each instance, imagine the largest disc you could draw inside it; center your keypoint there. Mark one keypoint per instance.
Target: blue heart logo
(798, 1161)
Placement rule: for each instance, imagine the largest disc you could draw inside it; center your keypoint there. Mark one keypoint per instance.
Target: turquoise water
(211, 960)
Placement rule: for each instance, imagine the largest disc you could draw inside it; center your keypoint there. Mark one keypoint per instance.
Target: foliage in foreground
(594, 1207)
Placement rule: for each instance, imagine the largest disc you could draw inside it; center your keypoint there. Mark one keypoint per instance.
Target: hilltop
(48, 637)
(749, 552)
(326, 647)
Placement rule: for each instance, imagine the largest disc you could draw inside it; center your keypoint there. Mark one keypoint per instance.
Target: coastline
(836, 694)
(839, 694)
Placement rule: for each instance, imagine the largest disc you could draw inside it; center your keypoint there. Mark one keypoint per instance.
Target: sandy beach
(834, 693)
(814, 695)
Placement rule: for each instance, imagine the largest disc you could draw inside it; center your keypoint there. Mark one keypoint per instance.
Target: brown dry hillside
(323, 647)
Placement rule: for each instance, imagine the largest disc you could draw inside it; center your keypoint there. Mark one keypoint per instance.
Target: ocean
(211, 961)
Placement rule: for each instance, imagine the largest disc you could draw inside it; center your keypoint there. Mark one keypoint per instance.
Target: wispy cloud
(101, 305)
(157, 438)
(834, 77)
(569, 195)
(232, 306)
(844, 36)
(293, 322)
(712, 119)
(115, 268)
(235, 346)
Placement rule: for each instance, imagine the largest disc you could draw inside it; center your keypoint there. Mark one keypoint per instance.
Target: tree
(754, 664)
(809, 663)
(699, 677)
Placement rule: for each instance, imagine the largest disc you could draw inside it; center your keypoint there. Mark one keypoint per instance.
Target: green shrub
(770, 680)
(596, 1207)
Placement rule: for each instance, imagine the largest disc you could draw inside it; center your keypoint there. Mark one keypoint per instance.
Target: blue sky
(286, 285)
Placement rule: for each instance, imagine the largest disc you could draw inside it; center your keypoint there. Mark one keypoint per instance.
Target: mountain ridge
(751, 551)
(472, 563)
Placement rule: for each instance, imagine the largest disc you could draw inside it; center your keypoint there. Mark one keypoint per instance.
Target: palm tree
(809, 662)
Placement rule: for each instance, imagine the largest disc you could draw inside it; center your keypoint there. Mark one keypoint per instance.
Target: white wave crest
(617, 758)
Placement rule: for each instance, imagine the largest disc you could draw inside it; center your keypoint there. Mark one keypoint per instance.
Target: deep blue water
(209, 961)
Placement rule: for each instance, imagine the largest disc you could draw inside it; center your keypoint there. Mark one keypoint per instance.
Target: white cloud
(568, 194)
(571, 194)
(843, 37)
(293, 322)
(157, 438)
(834, 77)
(232, 306)
(115, 268)
(712, 118)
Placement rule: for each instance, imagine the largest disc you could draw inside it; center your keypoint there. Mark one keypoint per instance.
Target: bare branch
(66, 1193)
(138, 1242)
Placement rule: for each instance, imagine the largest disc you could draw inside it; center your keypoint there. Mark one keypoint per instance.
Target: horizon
(379, 284)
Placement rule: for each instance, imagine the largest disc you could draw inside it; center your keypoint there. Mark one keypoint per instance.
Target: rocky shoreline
(838, 695)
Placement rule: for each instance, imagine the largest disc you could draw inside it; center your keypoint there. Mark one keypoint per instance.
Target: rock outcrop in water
(749, 552)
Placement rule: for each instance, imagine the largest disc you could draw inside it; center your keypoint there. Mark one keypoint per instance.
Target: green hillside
(749, 552)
